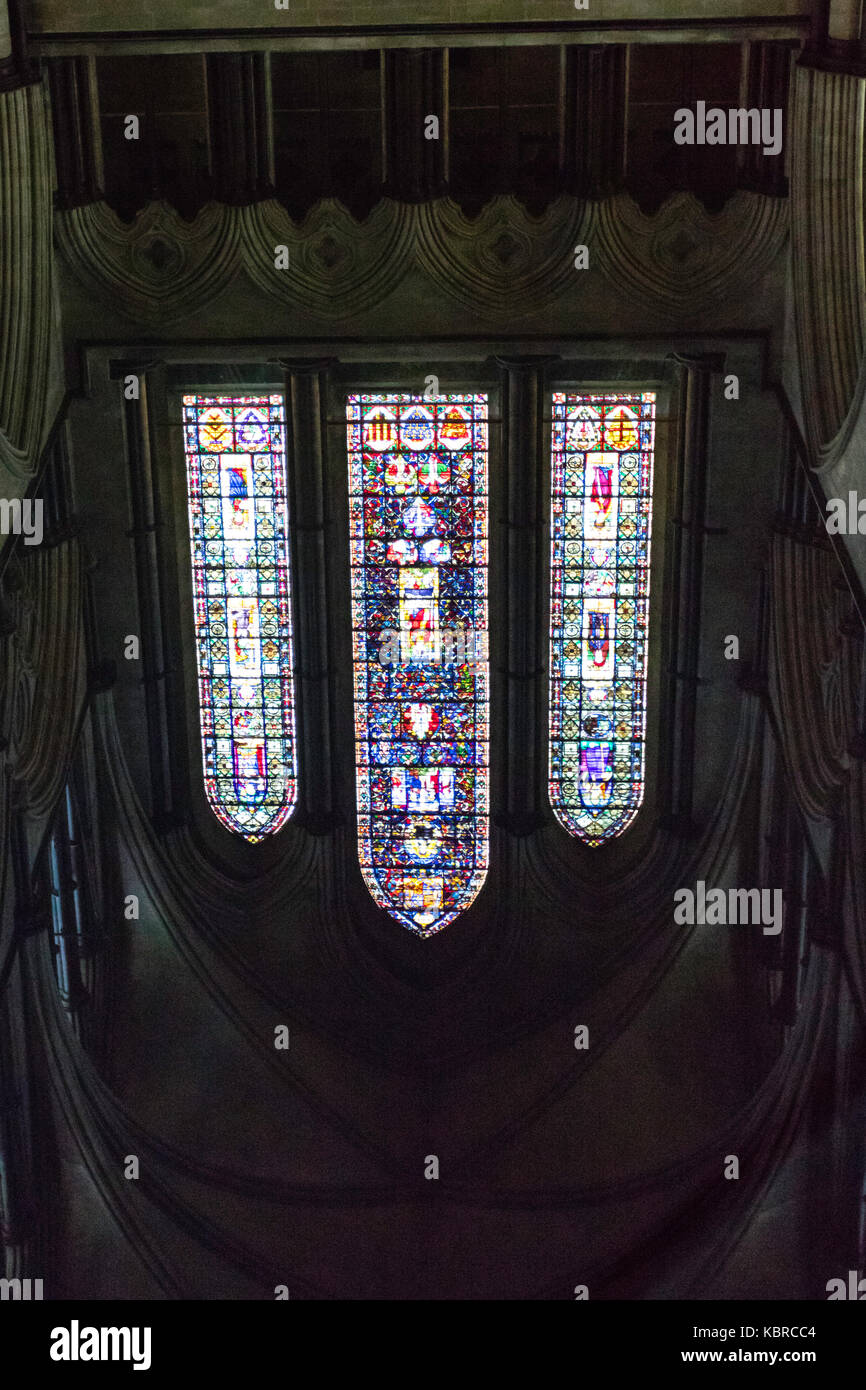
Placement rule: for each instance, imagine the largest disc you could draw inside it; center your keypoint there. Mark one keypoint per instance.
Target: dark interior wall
(531, 120)
(401, 1048)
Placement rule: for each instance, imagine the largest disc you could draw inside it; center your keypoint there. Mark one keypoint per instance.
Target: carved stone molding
(829, 263)
(815, 684)
(682, 260)
(163, 267)
(25, 283)
(44, 689)
(337, 266)
(505, 264)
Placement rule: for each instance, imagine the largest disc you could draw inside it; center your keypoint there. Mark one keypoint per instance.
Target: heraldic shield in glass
(236, 486)
(418, 507)
(602, 474)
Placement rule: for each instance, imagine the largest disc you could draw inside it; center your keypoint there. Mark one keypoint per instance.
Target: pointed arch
(602, 478)
(236, 487)
(418, 517)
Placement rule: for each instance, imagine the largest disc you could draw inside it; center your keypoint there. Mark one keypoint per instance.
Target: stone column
(30, 394)
(415, 87)
(827, 233)
(17, 68)
(766, 86)
(5, 33)
(844, 20)
(77, 135)
(240, 126)
(593, 100)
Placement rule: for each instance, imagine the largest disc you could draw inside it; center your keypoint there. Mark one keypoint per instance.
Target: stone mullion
(77, 134)
(522, 556)
(240, 126)
(309, 529)
(415, 87)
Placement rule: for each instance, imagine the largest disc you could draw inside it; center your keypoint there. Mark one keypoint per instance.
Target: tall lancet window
(602, 457)
(236, 477)
(418, 507)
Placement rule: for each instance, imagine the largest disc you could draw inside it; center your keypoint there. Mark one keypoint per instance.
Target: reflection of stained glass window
(600, 572)
(418, 504)
(235, 456)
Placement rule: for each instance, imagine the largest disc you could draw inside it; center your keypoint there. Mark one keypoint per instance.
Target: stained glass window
(602, 457)
(236, 478)
(418, 504)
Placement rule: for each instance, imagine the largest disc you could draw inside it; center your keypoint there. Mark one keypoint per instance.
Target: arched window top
(602, 474)
(236, 486)
(418, 517)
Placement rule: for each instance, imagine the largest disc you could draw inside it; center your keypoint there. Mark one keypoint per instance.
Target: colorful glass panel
(418, 508)
(236, 486)
(602, 457)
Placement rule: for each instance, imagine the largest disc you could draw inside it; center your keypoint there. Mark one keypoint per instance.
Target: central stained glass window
(236, 485)
(418, 515)
(602, 456)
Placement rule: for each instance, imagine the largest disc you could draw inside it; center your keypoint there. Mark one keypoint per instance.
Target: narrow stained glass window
(602, 457)
(418, 507)
(236, 485)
